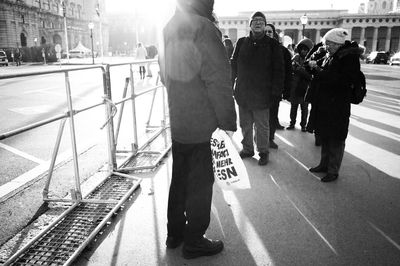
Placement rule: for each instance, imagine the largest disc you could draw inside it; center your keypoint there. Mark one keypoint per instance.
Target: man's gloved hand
(229, 133)
(286, 96)
(276, 98)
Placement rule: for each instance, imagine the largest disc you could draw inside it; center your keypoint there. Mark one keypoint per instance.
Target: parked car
(3, 58)
(395, 59)
(377, 58)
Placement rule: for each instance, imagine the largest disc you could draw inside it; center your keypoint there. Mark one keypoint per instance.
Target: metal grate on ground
(148, 157)
(65, 239)
(62, 241)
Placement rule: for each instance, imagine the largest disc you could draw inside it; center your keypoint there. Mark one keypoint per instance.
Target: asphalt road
(288, 217)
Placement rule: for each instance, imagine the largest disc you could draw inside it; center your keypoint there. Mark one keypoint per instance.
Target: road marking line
(381, 159)
(384, 106)
(22, 154)
(302, 165)
(384, 235)
(315, 229)
(249, 235)
(375, 115)
(284, 140)
(305, 218)
(376, 130)
(17, 184)
(32, 110)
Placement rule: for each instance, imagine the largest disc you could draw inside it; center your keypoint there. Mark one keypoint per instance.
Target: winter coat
(301, 79)
(287, 84)
(331, 98)
(258, 69)
(195, 70)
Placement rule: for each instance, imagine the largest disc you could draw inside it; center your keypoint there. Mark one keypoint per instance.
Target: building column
(362, 36)
(388, 37)
(375, 39)
(349, 32)
(317, 35)
(299, 36)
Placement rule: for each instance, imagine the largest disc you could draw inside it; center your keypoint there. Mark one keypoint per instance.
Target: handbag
(229, 170)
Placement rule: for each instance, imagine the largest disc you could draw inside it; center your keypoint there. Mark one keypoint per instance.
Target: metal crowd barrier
(64, 239)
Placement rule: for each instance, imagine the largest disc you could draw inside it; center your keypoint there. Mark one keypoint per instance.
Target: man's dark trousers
(190, 193)
(273, 117)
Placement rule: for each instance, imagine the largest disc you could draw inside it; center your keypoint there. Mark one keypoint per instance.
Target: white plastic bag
(229, 170)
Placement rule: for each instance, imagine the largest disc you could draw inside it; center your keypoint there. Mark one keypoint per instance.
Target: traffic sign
(57, 48)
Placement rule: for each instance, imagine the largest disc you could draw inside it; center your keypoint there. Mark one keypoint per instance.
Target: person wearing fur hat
(257, 75)
(195, 70)
(331, 99)
(301, 80)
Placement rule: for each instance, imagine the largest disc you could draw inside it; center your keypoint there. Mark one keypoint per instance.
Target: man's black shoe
(290, 127)
(264, 158)
(202, 247)
(318, 169)
(280, 127)
(173, 242)
(273, 145)
(303, 129)
(244, 154)
(329, 178)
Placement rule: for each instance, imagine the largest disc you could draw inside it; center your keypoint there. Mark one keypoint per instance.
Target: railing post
(78, 193)
(112, 160)
(53, 159)
(135, 144)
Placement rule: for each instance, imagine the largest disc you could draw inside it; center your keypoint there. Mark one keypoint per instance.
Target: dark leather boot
(329, 177)
(202, 247)
(318, 169)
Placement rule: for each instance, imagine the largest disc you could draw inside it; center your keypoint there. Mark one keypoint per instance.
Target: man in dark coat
(331, 99)
(258, 69)
(195, 70)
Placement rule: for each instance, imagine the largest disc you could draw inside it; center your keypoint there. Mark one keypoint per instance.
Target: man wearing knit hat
(258, 75)
(331, 99)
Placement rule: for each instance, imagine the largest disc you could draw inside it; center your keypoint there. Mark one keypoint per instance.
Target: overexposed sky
(232, 7)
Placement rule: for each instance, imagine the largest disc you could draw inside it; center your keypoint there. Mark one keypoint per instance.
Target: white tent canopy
(80, 48)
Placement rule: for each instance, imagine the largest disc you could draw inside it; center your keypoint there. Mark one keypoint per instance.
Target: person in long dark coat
(331, 99)
(195, 70)
(258, 75)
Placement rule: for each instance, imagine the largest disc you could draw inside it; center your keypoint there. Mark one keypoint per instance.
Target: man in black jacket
(258, 70)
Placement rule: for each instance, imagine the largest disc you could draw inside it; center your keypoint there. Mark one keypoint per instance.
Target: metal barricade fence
(54, 245)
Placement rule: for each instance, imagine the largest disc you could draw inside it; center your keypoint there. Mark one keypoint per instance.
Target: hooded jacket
(195, 70)
(332, 95)
(258, 69)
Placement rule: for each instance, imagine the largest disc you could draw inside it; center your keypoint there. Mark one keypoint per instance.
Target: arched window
(42, 40)
(22, 37)
(384, 5)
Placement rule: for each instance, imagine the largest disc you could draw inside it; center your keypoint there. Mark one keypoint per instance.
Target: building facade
(29, 23)
(377, 29)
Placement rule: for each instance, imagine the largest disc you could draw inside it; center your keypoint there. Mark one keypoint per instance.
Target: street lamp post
(304, 20)
(91, 26)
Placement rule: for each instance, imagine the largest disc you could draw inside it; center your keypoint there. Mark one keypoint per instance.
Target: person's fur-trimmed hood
(350, 48)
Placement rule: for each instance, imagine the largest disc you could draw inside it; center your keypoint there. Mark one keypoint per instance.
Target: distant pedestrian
(228, 47)
(141, 54)
(331, 99)
(18, 57)
(258, 73)
(151, 54)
